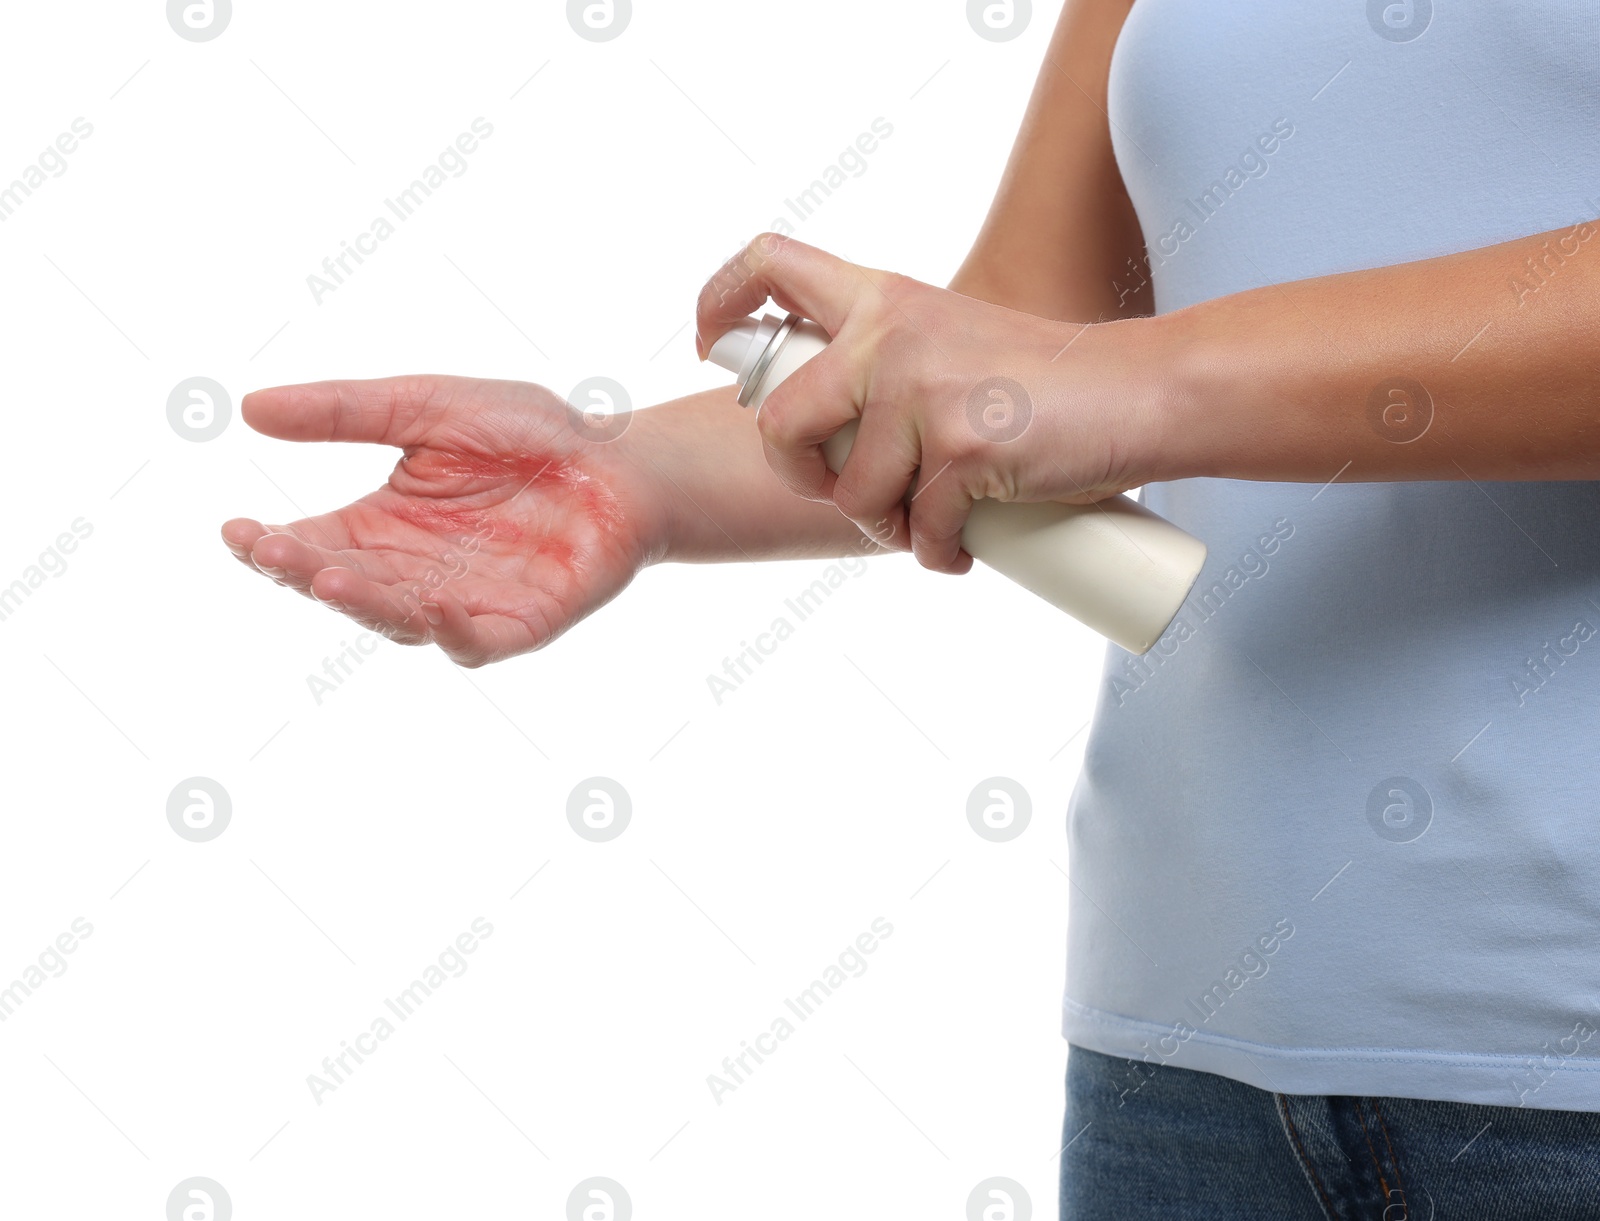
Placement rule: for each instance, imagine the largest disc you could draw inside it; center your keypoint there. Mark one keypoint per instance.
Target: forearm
(1061, 239)
(1318, 379)
(720, 500)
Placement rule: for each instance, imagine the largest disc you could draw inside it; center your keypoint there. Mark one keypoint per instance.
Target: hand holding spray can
(1114, 566)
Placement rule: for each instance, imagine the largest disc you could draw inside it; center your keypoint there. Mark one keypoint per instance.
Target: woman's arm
(1481, 365)
(1061, 230)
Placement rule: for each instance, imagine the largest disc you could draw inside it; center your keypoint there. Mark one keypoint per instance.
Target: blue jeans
(1154, 1141)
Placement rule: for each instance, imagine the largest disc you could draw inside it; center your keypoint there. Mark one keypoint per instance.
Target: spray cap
(737, 350)
(742, 349)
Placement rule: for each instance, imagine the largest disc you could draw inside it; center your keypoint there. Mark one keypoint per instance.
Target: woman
(1319, 280)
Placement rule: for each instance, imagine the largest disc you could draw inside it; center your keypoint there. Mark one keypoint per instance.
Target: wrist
(642, 454)
(688, 466)
(1193, 392)
(1138, 385)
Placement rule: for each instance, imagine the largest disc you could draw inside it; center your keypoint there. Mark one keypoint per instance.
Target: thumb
(387, 411)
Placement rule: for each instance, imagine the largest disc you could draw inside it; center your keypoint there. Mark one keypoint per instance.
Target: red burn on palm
(446, 518)
(523, 471)
(527, 470)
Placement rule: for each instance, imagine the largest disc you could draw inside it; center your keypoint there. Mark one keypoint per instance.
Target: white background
(369, 829)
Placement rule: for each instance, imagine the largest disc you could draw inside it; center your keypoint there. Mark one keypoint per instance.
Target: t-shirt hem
(1548, 1082)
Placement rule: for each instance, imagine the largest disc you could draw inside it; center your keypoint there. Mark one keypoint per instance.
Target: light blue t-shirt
(1339, 832)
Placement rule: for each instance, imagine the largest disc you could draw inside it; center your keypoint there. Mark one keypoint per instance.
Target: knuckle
(900, 289)
(880, 323)
(899, 299)
(956, 443)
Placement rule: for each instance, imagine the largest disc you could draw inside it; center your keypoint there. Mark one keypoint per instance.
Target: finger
(473, 640)
(286, 555)
(290, 560)
(798, 277)
(330, 531)
(376, 607)
(239, 535)
(453, 630)
(816, 401)
(389, 411)
(873, 484)
(939, 509)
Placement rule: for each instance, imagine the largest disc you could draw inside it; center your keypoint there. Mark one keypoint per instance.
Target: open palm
(504, 522)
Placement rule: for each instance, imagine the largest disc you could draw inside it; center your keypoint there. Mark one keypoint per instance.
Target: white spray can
(1114, 566)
